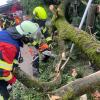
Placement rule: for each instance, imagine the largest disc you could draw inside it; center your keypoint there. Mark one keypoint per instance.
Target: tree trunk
(91, 19)
(78, 87)
(87, 43)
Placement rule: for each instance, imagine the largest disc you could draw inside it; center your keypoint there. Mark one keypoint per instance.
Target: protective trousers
(4, 94)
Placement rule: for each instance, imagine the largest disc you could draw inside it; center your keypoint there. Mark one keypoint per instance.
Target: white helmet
(28, 28)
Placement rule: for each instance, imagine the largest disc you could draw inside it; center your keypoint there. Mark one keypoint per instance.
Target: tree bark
(82, 39)
(32, 82)
(78, 87)
(91, 19)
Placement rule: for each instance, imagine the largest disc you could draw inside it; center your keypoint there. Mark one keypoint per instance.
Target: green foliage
(28, 5)
(97, 1)
(20, 92)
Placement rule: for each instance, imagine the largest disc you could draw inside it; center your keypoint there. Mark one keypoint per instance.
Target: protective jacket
(9, 50)
(40, 17)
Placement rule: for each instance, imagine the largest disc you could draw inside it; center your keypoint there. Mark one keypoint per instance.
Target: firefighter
(7, 21)
(44, 50)
(40, 16)
(11, 40)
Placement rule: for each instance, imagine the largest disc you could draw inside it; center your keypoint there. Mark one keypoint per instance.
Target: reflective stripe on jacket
(8, 78)
(6, 66)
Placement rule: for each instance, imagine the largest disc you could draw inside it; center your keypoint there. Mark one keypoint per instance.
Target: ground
(26, 65)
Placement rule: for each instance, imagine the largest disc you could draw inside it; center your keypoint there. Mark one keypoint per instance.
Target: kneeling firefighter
(10, 42)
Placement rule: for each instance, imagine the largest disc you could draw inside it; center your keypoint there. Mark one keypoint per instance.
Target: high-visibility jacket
(40, 17)
(9, 50)
(44, 32)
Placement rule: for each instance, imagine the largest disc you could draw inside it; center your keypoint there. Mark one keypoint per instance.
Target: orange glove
(43, 47)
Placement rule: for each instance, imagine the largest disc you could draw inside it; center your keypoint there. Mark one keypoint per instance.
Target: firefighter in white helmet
(10, 42)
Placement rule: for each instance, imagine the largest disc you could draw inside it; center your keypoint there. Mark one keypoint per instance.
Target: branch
(78, 87)
(32, 82)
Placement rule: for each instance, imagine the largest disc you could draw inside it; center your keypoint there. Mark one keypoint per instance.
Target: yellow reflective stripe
(49, 39)
(44, 30)
(15, 61)
(35, 43)
(4, 23)
(12, 23)
(5, 65)
(1, 97)
(7, 78)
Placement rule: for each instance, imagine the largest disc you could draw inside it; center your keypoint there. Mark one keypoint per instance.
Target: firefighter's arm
(8, 52)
